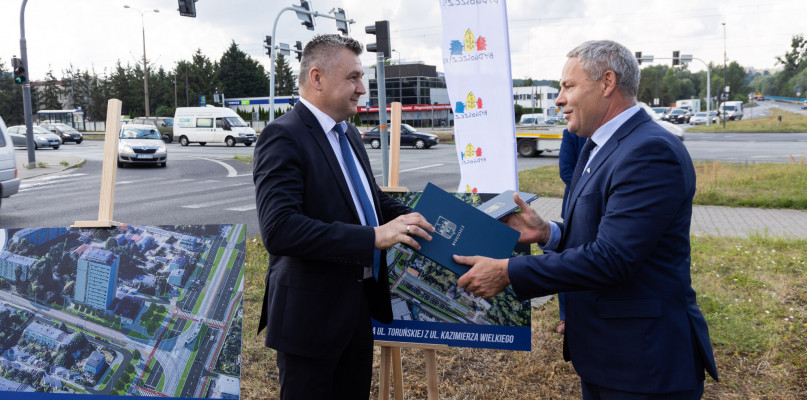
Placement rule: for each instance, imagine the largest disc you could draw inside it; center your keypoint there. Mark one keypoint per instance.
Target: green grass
(241, 234)
(791, 122)
(246, 159)
(761, 185)
(188, 365)
(136, 335)
(231, 260)
(108, 376)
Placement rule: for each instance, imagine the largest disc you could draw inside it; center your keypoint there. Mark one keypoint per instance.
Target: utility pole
(724, 76)
(26, 90)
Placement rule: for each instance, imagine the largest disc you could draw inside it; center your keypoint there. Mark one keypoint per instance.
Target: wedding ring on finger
(407, 229)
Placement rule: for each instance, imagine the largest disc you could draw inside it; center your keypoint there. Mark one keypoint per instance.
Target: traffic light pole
(381, 80)
(298, 10)
(26, 90)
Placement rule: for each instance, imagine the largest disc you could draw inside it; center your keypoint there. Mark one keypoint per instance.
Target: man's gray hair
(319, 52)
(598, 56)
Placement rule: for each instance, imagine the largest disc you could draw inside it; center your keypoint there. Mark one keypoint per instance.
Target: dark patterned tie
(355, 180)
(581, 163)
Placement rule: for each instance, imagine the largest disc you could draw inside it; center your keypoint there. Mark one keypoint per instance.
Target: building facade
(10, 262)
(38, 236)
(46, 335)
(96, 278)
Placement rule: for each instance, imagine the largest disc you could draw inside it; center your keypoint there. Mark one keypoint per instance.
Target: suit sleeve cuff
(554, 238)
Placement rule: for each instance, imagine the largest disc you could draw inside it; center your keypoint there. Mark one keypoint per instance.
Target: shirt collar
(603, 133)
(326, 122)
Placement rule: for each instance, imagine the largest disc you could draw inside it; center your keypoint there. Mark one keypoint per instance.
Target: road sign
(655, 101)
(202, 100)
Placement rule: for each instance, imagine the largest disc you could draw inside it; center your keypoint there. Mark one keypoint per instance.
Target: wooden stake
(395, 150)
(109, 169)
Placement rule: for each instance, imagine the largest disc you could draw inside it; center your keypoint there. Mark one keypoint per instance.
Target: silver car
(43, 138)
(141, 144)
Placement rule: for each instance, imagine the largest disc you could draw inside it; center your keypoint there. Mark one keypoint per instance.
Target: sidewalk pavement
(47, 162)
(706, 220)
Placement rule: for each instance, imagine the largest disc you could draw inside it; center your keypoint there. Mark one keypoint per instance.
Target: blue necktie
(355, 180)
(582, 160)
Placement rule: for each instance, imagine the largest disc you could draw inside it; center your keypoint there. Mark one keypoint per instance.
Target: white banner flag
(476, 58)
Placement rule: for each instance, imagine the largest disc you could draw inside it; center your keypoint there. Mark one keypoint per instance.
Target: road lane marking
(244, 208)
(416, 168)
(231, 172)
(211, 203)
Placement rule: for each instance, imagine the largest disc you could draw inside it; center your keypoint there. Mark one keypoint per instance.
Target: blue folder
(461, 229)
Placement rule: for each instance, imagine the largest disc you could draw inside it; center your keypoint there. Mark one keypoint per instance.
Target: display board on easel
(432, 312)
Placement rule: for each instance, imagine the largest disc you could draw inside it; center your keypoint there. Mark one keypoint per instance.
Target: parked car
(64, 132)
(558, 119)
(409, 137)
(9, 182)
(675, 130)
(164, 124)
(532, 119)
(141, 144)
(43, 138)
(662, 112)
(701, 117)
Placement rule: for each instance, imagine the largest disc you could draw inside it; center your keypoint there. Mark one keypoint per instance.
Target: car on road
(675, 130)
(678, 116)
(43, 138)
(64, 132)
(701, 117)
(409, 137)
(804, 106)
(141, 144)
(164, 124)
(9, 182)
(662, 112)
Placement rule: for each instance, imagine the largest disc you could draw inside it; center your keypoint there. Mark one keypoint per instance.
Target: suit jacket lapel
(318, 136)
(604, 153)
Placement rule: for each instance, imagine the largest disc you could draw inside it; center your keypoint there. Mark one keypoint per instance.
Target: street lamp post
(145, 64)
(724, 75)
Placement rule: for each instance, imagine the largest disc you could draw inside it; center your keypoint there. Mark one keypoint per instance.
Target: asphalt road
(205, 185)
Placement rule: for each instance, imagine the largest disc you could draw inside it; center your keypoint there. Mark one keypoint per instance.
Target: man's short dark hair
(318, 52)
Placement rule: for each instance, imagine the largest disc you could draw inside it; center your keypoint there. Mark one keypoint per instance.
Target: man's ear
(315, 77)
(608, 83)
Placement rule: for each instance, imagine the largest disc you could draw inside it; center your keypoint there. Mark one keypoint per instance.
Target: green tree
(240, 75)
(48, 98)
(285, 83)
(794, 61)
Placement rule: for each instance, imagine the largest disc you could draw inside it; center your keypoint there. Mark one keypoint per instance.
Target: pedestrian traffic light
(299, 47)
(187, 8)
(341, 20)
(676, 57)
(638, 55)
(20, 77)
(308, 19)
(381, 32)
(268, 45)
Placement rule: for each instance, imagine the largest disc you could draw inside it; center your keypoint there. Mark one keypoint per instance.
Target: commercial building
(10, 262)
(537, 97)
(96, 278)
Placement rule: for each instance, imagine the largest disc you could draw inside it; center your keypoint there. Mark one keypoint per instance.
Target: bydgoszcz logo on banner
(476, 58)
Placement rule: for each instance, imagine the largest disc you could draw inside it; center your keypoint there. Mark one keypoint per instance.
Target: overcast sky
(95, 34)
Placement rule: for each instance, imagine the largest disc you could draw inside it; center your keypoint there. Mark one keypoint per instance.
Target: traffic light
(308, 19)
(341, 21)
(299, 47)
(676, 58)
(381, 32)
(20, 77)
(268, 45)
(638, 55)
(187, 8)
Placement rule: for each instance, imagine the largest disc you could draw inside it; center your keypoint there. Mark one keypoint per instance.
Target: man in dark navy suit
(325, 224)
(622, 255)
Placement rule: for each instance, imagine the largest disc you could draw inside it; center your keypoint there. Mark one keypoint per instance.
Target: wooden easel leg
(397, 374)
(383, 378)
(431, 373)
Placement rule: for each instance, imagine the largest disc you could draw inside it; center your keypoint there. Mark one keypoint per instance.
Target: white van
(9, 183)
(731, 110)
(209, 124)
